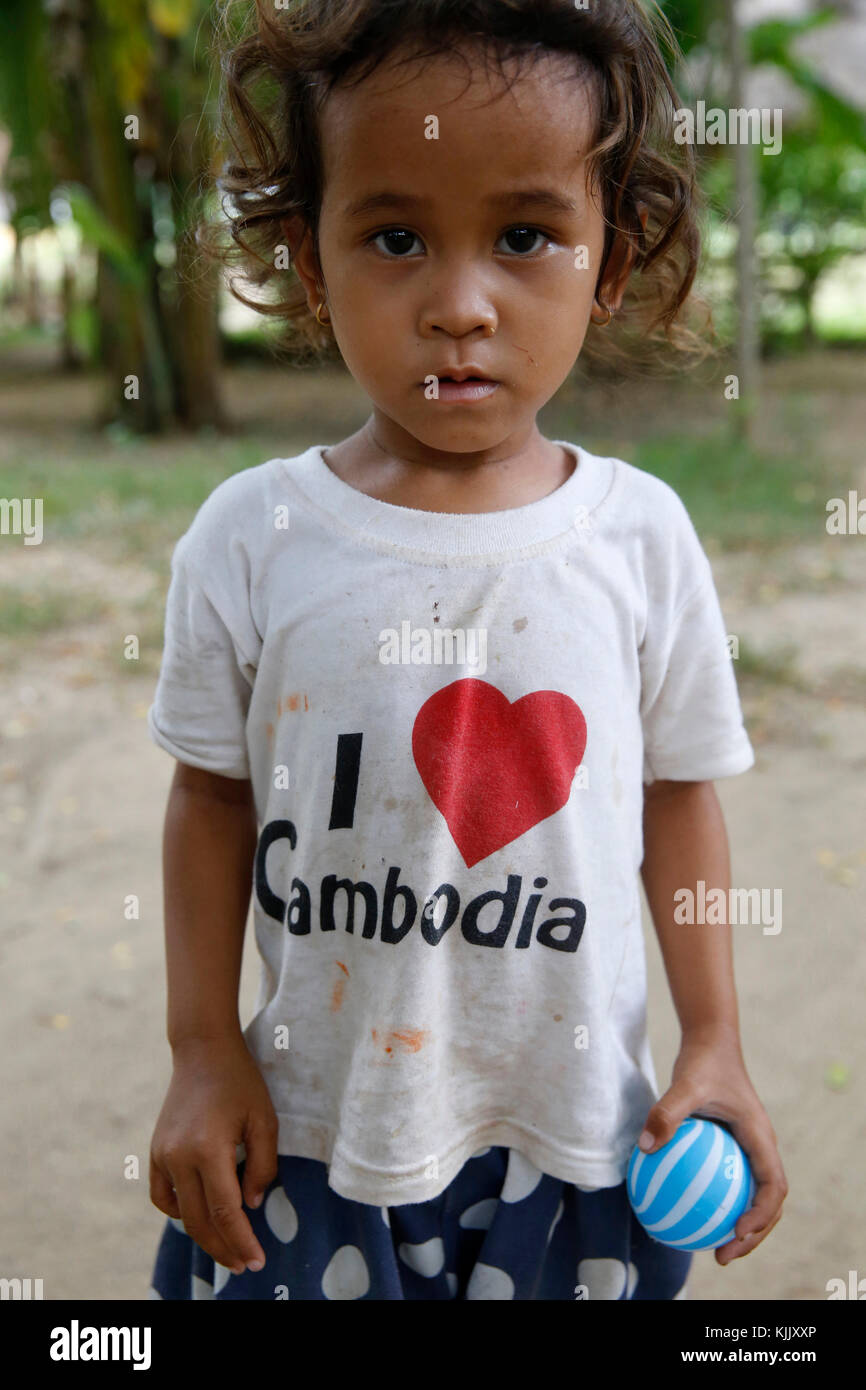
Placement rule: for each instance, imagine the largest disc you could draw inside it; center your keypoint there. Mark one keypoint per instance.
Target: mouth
(464, 385)
(467, 392)
(463, 374)
(467, 380)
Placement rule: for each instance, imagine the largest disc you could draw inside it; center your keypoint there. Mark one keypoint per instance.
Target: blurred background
(108, 152)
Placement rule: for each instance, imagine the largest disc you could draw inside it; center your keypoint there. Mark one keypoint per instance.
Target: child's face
(455, 281)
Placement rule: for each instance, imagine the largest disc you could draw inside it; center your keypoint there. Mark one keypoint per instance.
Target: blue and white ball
(692, 1191)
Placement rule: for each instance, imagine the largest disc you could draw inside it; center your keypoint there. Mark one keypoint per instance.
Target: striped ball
(691, 1192)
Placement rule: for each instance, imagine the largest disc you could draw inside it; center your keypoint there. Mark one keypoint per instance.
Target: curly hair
(279, 66)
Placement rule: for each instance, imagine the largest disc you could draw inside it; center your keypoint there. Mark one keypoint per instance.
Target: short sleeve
(692, 720)
(199, 712)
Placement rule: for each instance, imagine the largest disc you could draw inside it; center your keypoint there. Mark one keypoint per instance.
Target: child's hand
(217, 1099)
(710, 1079)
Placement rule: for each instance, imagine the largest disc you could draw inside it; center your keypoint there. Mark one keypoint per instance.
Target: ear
(299, 240)
(619, 266)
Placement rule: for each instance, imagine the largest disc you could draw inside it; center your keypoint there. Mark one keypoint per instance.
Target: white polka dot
(488, 1282)
(521, 1178)
(479, 1216)
(281, 1216)
(426, 1259)
(481, 1153)
(452, 1283)
(154, 1293)
(603, 1278)
(633, 1277)
(385, 1216)
(221, 1276)
(201, 1288)
(346, 1276)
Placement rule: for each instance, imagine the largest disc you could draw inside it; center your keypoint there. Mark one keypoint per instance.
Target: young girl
(438, 692)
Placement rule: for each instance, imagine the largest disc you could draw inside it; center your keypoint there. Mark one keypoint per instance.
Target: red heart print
(495, 769)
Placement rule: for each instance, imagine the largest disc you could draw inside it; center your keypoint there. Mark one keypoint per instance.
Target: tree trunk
(189, 302)
(32, 293)
(196, 340)
(70, 359)
(14, 293)
(139, 386)
(745, 181)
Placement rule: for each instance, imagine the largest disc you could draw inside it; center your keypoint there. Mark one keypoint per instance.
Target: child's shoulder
(244, 490)
(653, 499)
(237, 507)
(647, 511)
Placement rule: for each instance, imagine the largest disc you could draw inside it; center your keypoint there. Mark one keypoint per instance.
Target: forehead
(538, 121)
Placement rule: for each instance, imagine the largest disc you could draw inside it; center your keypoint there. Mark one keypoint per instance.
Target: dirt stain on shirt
(337, 992)
(289, 704)
(405, 1039)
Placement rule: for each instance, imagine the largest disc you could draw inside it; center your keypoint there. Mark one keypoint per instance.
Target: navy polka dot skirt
(500, 1230)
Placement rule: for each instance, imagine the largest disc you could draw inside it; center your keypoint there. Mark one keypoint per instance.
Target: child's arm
(685, 841)
(209, 840)
(217, 1097)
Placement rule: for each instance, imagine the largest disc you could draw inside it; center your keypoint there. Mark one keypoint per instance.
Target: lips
(463, 374)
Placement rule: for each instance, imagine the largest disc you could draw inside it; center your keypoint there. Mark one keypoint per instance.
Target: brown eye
(400, 240)
(524, 236)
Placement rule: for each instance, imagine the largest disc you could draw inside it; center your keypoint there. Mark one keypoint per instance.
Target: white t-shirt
(448, 720)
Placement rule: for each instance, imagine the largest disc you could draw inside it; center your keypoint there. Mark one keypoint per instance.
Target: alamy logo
(22, 516)
(855, 1288)
(715, 907)
(76, 1343)
(738, 126)
(423, 646)
(22, 1289)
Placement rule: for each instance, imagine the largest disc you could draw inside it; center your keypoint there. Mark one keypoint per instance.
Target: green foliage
(99, 233)
(812, 196)
(692, 20)
(835, 118)
(173, 18)
(27, 109)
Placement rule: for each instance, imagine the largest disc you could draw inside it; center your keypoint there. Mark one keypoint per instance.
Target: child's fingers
(756, 1137)
(736, 1248)
(668, 1113)
(197, 1223)
(766, 1206)
(222, 1193)
(262, 1164)
(162, 1194)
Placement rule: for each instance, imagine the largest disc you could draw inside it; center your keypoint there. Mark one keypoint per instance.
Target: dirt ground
(82, 791)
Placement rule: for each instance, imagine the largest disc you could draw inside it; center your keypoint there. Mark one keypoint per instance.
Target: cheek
(567, 286)
(371, 344)
(559, 308)
(369, 303)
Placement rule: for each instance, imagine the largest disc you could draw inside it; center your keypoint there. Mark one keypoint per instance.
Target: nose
(456, 302)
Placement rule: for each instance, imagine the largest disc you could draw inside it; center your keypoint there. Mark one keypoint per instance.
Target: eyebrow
(522, 197)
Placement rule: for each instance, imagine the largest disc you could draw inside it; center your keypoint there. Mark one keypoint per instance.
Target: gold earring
(602, 323)
(319, 319)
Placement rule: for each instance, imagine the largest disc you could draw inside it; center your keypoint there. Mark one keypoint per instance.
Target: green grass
(85, 488)
(131, 499)
(26, 612)
(137, 506)
(738, 495)
(127, 505)
(777, 667)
